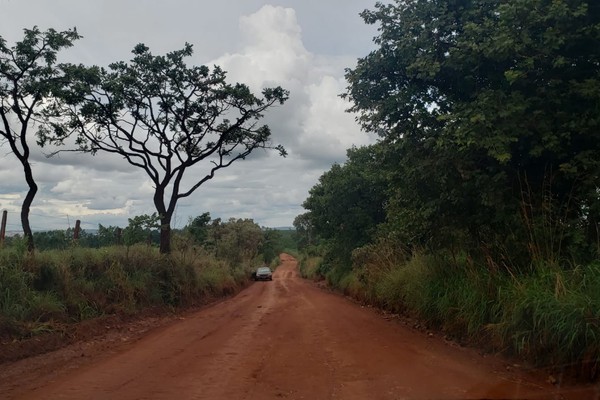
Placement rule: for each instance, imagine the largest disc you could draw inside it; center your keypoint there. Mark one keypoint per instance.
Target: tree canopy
(166, 117)
(29, 80)
(347, 204)
(491, 108)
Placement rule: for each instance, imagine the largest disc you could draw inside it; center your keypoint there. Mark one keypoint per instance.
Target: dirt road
(289, 339)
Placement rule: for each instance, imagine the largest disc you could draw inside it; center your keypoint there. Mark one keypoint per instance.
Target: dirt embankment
(280, 339)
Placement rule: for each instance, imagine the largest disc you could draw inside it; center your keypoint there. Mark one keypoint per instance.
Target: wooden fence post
(77, 229)
(3, 228)
(119, 238)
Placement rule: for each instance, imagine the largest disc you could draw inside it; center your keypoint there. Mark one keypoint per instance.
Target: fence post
(77, 229)
(3, 228)
(119, 238)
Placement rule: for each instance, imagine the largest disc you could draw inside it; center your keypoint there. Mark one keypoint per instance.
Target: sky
(303, 46)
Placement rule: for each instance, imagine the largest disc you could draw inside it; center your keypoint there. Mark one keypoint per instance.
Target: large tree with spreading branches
(167, 118)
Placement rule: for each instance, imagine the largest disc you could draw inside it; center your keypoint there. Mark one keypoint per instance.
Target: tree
(198, 227)
(29, 76)
(492, 106)
(55, 239)
(166, 117)
(63, 239)
(304, 230)
(108, 235)
(348, 203)
(271, 245)
(237, 240)
(139, 228)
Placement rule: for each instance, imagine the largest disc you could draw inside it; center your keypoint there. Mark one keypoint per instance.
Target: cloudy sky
(302, 45)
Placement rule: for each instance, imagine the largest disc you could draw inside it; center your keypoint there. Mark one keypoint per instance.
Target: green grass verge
(66, 286)
(550, 317)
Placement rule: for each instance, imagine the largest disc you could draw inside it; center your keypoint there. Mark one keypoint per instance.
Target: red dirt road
(288, 339)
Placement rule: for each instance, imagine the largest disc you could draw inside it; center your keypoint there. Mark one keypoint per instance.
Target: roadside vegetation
(478, 209)
(49, 290)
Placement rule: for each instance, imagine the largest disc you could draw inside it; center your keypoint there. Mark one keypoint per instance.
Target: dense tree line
(236, 240)
(489, 126)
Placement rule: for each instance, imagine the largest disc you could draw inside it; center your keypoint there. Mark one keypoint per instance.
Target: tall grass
(309, 267)
(550, 318)
(65, 286)
(553, 317)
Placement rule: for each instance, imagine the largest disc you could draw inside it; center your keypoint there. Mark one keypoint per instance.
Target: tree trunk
(165, 234)
(165, 220)
(27, 233)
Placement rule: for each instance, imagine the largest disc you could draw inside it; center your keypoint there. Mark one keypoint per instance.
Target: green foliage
(288, 242)
(139, 229)
(19, 302)
(473, 114)
(305, 231)
(238, 240)
(552, 316)
(271, 247)
(198, 227)
(63, 239)
(56, 239)
(108, 235)
(309, 267)
(347, 204)
(276, 242)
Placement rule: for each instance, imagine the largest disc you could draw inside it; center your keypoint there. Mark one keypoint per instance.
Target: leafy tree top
(165, 117)
(498, 75)
(30, 78)
(514, 84)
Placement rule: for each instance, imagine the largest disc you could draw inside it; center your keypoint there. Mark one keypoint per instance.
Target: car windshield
(263, 270)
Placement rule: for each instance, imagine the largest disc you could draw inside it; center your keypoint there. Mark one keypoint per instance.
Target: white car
(263, 274)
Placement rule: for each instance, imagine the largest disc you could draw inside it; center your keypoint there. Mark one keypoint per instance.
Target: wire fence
(60, 230)
(67, 230)
(43, 223)
(55, 231)
(47, 222)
